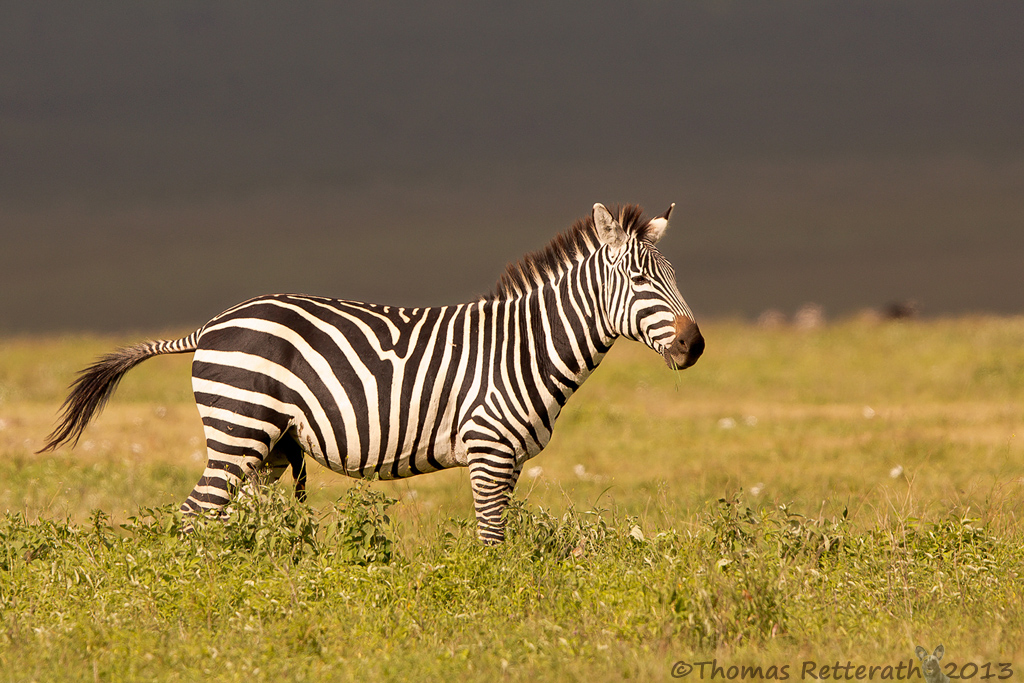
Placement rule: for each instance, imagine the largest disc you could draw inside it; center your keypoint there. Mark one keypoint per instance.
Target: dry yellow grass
(856, 411)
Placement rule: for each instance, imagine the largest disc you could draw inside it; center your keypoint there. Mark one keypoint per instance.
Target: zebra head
(642, 300)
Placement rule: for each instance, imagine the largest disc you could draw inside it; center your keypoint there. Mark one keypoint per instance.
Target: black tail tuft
(90, 392)
(97, 382)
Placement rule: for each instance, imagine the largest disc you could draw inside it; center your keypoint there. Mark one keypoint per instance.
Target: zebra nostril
(695, 347)
(689, 339)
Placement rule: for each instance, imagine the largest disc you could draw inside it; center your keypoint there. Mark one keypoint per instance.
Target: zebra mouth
(678, 361)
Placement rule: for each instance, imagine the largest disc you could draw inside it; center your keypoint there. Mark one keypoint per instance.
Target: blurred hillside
(160, 161)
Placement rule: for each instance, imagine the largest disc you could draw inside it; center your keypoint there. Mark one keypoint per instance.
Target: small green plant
(358, 529)
(262, 520)
(745, 589)
(545, 536)
(267, 521)
(804, 537)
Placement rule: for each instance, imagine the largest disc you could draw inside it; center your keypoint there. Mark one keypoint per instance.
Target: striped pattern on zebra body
(365, 389)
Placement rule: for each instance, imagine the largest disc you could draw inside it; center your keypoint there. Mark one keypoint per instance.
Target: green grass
(841, 494)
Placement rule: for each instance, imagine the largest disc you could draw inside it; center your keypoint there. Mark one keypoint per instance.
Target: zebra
(373, 390)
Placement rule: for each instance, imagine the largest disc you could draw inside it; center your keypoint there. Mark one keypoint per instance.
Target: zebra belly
(409, 457)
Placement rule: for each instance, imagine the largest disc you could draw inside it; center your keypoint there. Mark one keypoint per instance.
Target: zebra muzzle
(687, 345)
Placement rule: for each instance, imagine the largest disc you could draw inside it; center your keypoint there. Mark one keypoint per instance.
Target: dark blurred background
(160, 161)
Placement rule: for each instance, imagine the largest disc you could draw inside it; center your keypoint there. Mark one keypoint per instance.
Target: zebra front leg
(492, 476)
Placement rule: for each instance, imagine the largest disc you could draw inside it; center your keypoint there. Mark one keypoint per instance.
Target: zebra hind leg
(228, 476)
(235, 455)
(286, 454)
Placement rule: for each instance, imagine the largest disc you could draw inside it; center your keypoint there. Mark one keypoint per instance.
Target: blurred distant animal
(930, 664)
(771, 319)
(368, 390)
(899, 310)
(809, 317)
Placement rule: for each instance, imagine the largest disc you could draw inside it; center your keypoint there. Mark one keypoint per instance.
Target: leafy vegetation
(839, 494)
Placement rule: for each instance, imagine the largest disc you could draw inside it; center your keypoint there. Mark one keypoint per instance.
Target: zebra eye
(640, 279)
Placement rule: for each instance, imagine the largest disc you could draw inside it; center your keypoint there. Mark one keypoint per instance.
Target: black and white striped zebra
(367, 389)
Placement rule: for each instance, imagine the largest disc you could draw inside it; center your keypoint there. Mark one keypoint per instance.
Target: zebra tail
(96, 383)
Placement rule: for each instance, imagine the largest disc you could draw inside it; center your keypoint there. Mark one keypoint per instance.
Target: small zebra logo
(930, 664)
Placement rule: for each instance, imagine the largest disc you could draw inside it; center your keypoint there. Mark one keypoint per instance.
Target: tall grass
(839, 494)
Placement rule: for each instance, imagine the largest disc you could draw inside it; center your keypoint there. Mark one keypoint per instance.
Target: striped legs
(492, 476)
(239, 455)
(287, 453)
(224, 475)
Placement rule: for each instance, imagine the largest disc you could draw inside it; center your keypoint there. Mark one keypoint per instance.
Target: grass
(841, 494)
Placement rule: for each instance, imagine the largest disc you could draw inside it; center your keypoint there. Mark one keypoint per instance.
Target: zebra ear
(656, 226)
(608, 229)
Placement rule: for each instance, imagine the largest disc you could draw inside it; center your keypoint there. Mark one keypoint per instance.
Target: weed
(359, 531)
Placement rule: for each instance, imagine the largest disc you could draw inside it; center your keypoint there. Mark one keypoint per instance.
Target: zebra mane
(567, 248)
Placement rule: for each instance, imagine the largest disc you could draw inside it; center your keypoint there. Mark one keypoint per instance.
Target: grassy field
(830, 496)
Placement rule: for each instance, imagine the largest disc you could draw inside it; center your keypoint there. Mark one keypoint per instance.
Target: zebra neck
(563, 326)
(579, 312)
